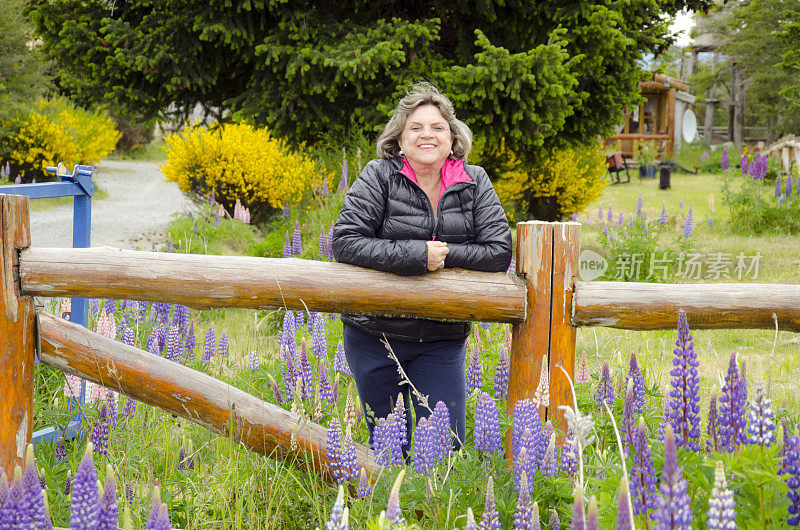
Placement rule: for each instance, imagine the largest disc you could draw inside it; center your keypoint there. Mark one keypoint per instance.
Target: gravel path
(138, 209)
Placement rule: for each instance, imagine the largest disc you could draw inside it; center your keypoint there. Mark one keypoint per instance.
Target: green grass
(152, 152)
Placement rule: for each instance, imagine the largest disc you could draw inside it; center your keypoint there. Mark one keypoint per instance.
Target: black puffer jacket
(387, 219)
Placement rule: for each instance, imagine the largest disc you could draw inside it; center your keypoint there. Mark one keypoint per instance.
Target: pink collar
(453, 172)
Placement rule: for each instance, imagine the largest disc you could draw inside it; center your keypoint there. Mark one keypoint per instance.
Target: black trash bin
(665, 172)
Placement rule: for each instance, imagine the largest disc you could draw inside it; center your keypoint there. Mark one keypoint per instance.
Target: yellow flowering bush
(54, 131)
(240, 162)
(563, 182)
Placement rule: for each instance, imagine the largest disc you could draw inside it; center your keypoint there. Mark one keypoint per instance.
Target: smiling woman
(418, 208)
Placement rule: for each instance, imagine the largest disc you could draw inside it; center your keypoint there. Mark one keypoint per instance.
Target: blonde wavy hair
(417, 95)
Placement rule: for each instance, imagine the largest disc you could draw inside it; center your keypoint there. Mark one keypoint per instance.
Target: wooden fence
(543, 302)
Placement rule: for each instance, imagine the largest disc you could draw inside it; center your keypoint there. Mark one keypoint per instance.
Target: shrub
(54, 131)
(754, 207)
(239, 162)
(564, 181)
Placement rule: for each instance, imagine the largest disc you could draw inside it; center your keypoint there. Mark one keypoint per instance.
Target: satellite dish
(689, 126)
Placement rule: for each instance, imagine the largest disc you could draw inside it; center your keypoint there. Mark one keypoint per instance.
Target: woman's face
(426, 138)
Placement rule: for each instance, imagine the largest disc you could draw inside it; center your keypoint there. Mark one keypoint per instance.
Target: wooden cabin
(659, 119)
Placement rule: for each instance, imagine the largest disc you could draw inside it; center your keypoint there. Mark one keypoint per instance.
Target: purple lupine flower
(605, 390)
(287, 246)
(254, 361)
(688, 223)
(523, 512)
(12, 507)
(344, 179)
(541, 444)
(181, 318)
(307, 376)
(574, 217)
(605, 232)
(578, 512)
(208, 352)
(31, 511)
(600, 213)
(100, 432)
(325, 390)
(778, 188)
(635, 375)
(744, 164)
(394, 516)
(673, 507)
(663, 217)
(289, 375)
(643, 475)
(490, 520)
(330, 239)
(791, 466)
(223, 345)
(710, 222)
(129, 409)
(110, 306)
(340, 361)
(639, 205)
(325, 190)
(349, 462)
(440, 419)
(712, 426)
(721, 508)
(610, 216)
(788, 186)
(662, 425)
(333, 450)
(113, 407)
(475, 370)
(724, 161)
(525, 417)
(399, 411)
(338, 518)
(628, 418)
(319, 341)
(67, 485)
(288, 328)
(487, 426)
(501, 373)
(555, 522)
(732, 409)
(512, 267)
(108, 515)
(323, 243)
(128, 337)
(569, 453)
(761, 425)
(592, 519)
(524, 464)
(549, 465)
(275, 389)
(297, 240)
(386, 441)
(424, 447)
(191, 342)
(61, 450)
(624, 517)
(174, 345)
(364, 487)
(621, 219)
(685, 403)
(85, 505)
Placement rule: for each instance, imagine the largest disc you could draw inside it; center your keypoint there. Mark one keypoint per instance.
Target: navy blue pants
(435, 368)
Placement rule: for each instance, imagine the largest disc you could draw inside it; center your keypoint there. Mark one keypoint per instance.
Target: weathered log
(566, 248)
(646, 306)
(17, 336)
(216, 281)
(198, 397)
(530, 339)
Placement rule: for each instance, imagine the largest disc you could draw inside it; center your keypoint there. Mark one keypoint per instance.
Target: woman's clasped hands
(437, 251)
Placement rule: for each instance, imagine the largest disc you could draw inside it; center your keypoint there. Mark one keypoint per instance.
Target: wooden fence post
(17, 336)
(566, 247)
(530, 339)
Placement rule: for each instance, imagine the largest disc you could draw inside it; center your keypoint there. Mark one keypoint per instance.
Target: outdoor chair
(617, 164)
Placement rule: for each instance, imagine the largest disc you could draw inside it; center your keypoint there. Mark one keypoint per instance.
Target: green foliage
(524, 76)
(23, 74)
(647, 153)
(698, 156)
(755, 209)
(53, 131)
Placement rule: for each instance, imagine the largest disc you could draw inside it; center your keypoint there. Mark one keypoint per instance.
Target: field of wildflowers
(658, 436)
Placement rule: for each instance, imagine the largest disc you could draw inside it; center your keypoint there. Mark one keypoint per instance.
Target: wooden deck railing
(543, 302)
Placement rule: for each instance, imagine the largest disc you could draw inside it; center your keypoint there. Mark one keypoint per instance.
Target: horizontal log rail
(202, 282)
(198, 397)
(647, 306)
